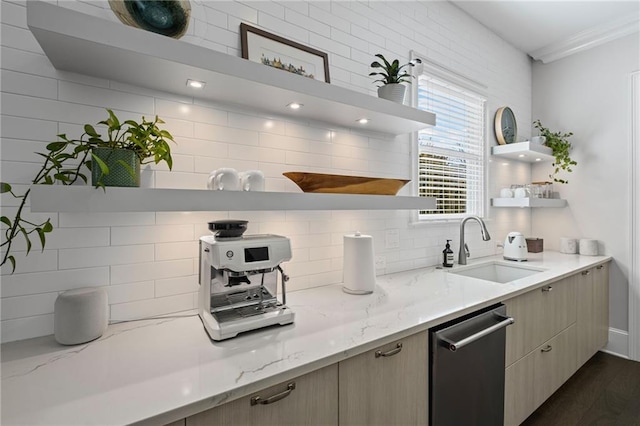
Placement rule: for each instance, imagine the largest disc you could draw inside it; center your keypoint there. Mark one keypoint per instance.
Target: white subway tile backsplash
(102, 256)
(121, 274)
(127, 235)
(27, 306)
(148, 262)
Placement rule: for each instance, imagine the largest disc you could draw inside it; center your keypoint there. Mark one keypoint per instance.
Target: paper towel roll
(588, 247)
(359, 275)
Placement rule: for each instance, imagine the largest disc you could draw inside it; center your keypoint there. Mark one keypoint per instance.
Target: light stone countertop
(160, 370)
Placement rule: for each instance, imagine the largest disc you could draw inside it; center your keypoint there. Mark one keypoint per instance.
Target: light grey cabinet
(593, 311)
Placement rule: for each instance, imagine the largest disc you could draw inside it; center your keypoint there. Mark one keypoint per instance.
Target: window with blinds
(451, 154)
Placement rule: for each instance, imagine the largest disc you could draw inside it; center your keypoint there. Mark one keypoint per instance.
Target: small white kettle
(515, 247)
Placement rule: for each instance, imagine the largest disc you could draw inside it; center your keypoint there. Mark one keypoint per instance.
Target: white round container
(80, 315)
(568, 245)
(588, 247)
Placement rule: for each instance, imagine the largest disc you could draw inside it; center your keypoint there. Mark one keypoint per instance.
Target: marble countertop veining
(159, 370)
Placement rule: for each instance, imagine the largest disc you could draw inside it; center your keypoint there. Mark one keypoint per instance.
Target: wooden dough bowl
(341, 184)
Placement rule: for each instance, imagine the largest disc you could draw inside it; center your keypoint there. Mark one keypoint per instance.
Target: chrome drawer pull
(586, 272)
(392, 352)
(547, 288)
(275, 398)
(546, 349)
(599, 266)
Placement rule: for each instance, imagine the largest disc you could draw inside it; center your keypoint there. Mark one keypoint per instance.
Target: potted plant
(392, 74)
(67, 160)
(560, 148)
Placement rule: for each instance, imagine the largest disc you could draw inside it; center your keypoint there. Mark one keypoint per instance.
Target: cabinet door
(386, 386)
(532, 379)
(555, 362)
(305, 400)
(593, 311)
(539, 315)
(601, 308)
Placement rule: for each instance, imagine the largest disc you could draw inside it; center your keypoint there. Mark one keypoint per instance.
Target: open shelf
(86, 199)
(97, 47)
(528, 152)
(528, 202)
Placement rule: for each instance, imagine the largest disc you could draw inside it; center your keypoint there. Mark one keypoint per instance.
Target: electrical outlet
(381, 262)
(392, 239)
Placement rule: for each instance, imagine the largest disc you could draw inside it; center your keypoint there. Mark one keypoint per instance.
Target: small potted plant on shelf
(560, 147)
(392, 74)
(113, 160)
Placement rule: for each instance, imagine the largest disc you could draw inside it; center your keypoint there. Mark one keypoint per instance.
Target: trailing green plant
(392, 72)
(560, 148)
(67, 160)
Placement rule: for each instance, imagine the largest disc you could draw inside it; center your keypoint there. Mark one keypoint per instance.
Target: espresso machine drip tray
(240, 299)
(237, 313)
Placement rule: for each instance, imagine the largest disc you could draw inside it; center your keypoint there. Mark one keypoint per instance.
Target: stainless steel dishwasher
(466, 385)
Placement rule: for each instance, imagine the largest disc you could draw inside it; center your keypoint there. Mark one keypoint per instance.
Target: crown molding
(587, 39)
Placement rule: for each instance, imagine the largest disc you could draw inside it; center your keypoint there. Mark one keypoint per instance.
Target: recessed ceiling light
(295, 105)
(196, 84)
(363, 120)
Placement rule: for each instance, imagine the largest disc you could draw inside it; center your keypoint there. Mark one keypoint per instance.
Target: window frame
(476, 88)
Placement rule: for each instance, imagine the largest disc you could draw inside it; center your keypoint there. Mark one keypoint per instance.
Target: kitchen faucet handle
(466, 250)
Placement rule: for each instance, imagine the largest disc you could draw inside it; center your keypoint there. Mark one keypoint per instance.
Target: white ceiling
(538, 27)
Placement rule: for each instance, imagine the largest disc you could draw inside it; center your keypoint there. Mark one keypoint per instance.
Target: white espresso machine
(239, 280)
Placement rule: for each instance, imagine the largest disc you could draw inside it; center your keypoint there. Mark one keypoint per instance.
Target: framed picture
(278, 52)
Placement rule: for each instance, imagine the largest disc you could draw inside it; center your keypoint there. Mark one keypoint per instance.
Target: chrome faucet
(464, 249)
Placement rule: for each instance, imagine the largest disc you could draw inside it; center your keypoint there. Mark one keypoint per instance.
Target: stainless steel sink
(497, 272)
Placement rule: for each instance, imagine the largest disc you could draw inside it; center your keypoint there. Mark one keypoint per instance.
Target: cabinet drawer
(535, 377)
(305, 400)
(386, 386)
(539, 315)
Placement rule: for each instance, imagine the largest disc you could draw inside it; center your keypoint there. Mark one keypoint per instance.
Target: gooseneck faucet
(464, 249)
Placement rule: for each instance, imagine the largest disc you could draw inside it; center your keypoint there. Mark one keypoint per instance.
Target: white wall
(148, 261)
(589, 94)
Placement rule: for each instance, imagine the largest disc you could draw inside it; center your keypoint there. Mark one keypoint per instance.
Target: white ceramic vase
(393, 92)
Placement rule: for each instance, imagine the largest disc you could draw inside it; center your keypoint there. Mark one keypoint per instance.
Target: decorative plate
(342, 184)
(166, 17)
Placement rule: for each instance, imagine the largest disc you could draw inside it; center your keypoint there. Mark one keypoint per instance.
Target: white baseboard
(618, 344)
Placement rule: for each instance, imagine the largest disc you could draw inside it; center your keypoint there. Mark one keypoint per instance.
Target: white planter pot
(393, 92)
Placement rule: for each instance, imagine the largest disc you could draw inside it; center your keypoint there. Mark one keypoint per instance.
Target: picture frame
(278, 52)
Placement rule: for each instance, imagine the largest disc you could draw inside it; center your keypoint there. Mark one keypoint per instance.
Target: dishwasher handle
(454, 346)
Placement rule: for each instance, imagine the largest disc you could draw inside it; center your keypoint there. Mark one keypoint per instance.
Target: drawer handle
(546, 349)
(547, 288)
(392, 352)
(275, 398)
(599, 266)
(586, 272)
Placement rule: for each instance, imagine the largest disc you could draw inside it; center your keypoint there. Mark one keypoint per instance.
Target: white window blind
(451, 155)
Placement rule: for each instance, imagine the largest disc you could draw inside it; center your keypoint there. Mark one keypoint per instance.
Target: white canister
(80, 315)
(359, 275)
(568, 245)
(588, 247)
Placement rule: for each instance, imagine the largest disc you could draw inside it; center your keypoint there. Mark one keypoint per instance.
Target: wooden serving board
(342, 184)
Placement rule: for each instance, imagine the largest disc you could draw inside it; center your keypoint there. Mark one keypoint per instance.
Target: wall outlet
(392, 239)
(381, 262)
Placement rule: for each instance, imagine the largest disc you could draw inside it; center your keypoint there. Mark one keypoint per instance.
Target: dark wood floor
(605, 391)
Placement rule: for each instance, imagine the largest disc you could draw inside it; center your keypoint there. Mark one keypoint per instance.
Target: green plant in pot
(560, 147)
(67, 161)
(392, 75)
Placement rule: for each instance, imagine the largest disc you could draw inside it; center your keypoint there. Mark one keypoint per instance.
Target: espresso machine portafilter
(239, 283)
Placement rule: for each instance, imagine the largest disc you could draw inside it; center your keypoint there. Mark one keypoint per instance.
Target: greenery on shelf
(392, 72)
(560, 147)
(67, 160)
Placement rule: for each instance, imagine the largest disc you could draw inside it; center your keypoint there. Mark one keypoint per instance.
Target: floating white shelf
(86, 199)
(97, 47)
(524, 151)
(528, 202)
